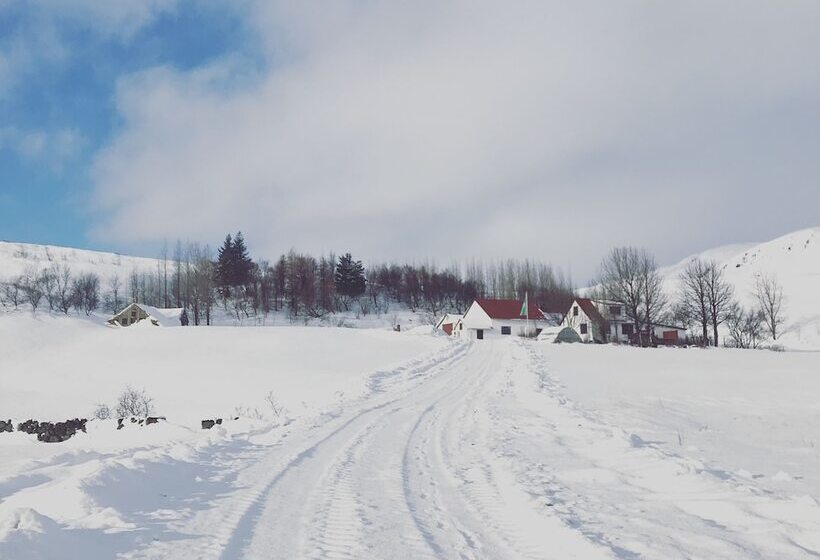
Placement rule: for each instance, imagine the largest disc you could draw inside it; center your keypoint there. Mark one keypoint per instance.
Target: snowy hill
(793, 258)
(16, 258)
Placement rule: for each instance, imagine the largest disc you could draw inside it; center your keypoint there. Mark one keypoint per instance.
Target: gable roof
(508, 309)
(448, 318)
(590, 310)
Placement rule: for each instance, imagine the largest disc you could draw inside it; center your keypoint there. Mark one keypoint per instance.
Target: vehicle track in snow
(475, 453)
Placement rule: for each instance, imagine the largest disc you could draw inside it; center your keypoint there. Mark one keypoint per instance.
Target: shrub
(102, 412)
(133, 402)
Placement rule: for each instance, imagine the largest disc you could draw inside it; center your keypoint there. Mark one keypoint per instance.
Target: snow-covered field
(406, 445)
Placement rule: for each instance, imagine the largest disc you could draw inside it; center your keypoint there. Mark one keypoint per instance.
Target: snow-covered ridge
(16, 258)
(793, 258)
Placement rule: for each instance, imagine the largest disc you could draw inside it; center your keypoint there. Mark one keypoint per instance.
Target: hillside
(16, 258)
(795, 260)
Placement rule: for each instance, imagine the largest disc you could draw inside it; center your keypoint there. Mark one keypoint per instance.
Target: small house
(158, 317)
(491, 318)
(448, 322)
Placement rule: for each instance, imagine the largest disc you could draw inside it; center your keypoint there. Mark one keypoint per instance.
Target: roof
(167, 317)
(590, 310)
(508, 309)
(448, 318)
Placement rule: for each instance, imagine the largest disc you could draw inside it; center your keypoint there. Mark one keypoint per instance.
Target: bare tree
(11, 292)
(630, 276)
(745, 326)
(49, 282)
(692, 297)
(32, 287)
(770, 297)
(114, 286)
(719, 295)
(86, 292)
(62, 287)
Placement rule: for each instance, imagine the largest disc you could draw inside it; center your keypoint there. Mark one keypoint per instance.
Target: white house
(489, 318)
(448, 322)
(137, 312)
(606, 321)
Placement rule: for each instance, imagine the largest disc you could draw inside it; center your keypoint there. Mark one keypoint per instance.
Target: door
(479, 334)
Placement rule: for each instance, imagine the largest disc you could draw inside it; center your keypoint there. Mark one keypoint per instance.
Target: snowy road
(471, 452)
(477, 454)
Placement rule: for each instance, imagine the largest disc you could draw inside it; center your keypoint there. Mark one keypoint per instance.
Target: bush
(134, 403)
(102, 412)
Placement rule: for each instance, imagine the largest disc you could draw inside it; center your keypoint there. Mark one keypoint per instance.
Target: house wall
(575, 321)
(518, 327)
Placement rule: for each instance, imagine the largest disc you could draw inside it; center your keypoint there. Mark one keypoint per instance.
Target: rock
(6, 426)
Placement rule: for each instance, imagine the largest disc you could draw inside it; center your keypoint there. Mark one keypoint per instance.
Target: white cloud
(543, 129)
(36, 40)
(51, 148)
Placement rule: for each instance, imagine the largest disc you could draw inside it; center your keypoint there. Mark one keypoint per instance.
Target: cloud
(51, 148)
(40, 31)
(548, 130)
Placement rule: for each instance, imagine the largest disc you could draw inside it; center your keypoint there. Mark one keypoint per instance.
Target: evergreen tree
(349, 277)
(224, 266)
(243, 266)
(234, 267)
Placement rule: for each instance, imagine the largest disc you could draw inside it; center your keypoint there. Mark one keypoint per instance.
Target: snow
(411, 444)
(16, 258)
(406, 445)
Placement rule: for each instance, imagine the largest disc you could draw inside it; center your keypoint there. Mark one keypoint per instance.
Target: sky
(410, 130)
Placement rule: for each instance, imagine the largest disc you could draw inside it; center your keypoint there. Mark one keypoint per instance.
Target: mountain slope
(16, 258)
(793, 258)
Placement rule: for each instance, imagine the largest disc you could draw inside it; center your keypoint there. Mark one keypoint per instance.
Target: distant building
(606, 321)
(448, 322)
(490, 318)
(137, 312)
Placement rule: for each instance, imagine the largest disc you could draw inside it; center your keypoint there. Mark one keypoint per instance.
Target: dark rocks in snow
(6, 426)
(147, 421)
(53, 432)
(208, 424)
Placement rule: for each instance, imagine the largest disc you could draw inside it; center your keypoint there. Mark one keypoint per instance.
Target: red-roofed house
(487, 318)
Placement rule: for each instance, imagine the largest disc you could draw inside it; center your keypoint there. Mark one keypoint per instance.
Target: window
(506, 330)
(133, 312)
(575, 311)
(614, 310)
(125, 321)
(627, 329)
(583, 328)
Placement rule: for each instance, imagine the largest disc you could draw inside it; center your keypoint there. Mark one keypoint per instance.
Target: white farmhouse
(606, 321)
(489, 318)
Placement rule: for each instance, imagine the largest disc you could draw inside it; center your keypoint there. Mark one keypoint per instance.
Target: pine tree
(349, 277)
(243, 266)
(234, 267)
(224, 266)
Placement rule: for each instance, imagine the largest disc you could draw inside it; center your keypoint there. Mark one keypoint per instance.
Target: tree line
(297, 284)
